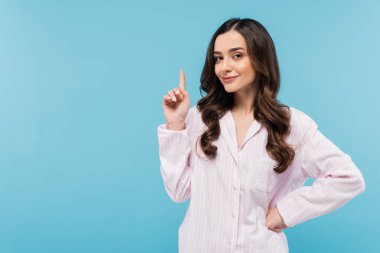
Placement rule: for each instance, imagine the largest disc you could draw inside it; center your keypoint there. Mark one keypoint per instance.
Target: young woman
(242, 157)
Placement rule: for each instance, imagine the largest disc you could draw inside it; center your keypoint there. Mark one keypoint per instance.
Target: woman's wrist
(176, 126)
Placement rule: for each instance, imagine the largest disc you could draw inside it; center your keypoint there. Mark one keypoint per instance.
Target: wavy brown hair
(272, 114)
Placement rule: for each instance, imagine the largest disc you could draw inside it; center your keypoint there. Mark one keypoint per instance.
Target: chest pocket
(262, 174)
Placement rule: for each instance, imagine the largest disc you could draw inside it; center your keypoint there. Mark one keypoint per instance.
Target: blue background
(81, 85)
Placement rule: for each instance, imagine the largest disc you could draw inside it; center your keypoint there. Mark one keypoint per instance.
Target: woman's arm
(337, 180)
(175, 162)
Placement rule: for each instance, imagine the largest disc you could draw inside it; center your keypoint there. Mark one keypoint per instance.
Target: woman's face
(232, 60)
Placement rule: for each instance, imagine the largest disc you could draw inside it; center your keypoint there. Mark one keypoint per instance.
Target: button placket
(236, 203)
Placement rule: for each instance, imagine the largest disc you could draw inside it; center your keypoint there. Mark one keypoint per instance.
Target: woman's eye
(216, 58)
(239, 55)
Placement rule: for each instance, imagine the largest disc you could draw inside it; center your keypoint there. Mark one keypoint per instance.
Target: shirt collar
(228, 133)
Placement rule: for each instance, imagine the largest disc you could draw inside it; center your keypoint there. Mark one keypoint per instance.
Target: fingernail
(174, 99)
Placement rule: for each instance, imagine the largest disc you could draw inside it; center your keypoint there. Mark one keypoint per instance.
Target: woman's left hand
(274, 220)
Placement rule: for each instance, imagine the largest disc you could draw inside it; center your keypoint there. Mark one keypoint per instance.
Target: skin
(229, 62)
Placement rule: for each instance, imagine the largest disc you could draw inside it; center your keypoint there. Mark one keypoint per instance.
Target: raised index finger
(182, 82)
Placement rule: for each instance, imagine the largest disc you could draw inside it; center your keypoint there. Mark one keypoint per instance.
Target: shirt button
(235, 188)
(233, 216)
(228, 244)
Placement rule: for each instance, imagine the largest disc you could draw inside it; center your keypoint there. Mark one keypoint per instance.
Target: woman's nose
(226, 65)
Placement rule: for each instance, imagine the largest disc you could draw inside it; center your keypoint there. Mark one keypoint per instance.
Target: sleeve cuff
(163, 130)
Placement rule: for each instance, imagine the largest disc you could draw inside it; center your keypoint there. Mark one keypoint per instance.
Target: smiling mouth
(230, 79)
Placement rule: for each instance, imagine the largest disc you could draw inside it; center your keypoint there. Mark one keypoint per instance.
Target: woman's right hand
(176, 105)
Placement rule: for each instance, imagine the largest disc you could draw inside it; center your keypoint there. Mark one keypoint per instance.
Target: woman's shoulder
(192, 114)
(194, 118)
(300, 124)
(300, 118)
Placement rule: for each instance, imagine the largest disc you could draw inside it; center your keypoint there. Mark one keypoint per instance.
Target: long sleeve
(337, 180)
(175, 165)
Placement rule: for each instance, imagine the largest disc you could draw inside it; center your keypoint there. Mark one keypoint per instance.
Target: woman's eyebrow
(231, 50)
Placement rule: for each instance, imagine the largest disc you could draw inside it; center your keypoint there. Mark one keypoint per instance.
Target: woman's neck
(243, 102)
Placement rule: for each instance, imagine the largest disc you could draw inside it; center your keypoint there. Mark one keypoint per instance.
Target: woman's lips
(230, 79)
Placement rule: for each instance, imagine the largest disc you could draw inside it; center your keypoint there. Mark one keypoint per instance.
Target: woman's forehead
(229, 40)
